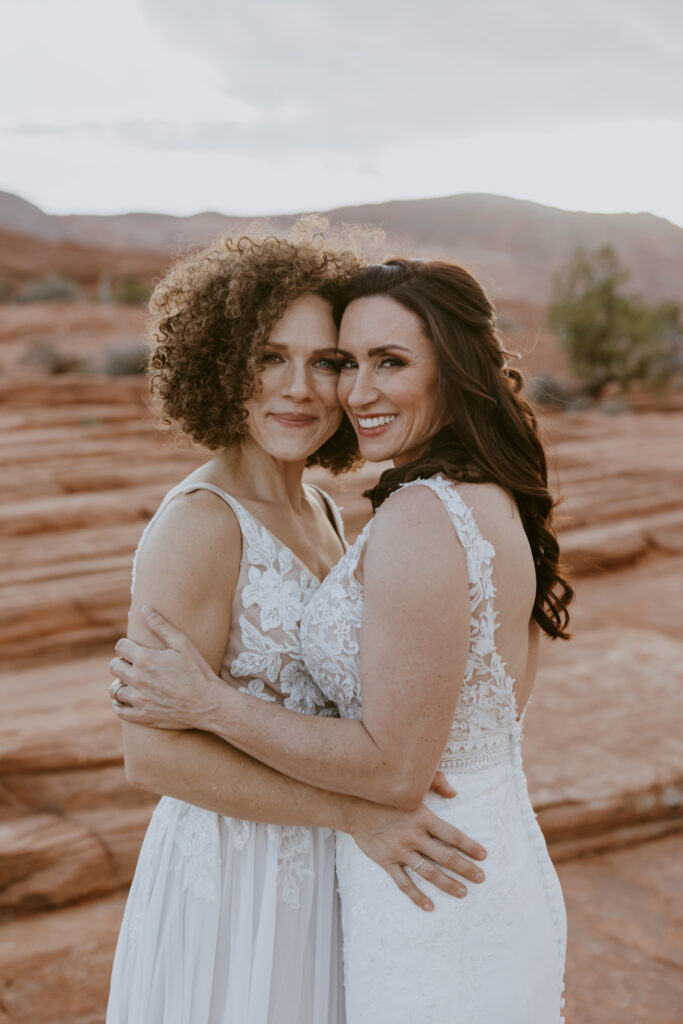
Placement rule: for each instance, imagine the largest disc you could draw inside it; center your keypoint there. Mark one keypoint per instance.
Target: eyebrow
(377, 351)
(283, 346)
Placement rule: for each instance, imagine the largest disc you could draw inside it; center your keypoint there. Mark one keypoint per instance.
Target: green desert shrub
(612, 336)
(131, 291)
(48, 288)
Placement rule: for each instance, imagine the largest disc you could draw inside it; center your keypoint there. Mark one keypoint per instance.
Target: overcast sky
(256, 106)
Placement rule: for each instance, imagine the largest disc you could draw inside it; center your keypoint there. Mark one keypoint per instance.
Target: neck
(443, 435)
(261, 477)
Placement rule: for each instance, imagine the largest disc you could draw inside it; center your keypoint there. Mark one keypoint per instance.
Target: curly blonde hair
(210, 317)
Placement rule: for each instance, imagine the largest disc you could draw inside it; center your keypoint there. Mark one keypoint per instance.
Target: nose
(296, 384)
(363, 391)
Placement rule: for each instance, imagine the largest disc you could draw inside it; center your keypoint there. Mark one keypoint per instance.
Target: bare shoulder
(199, 513)
(412, 533)
(197, 533)
(408, 506)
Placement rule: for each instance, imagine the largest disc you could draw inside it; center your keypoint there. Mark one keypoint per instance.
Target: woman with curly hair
(425, 635)
(232, 915)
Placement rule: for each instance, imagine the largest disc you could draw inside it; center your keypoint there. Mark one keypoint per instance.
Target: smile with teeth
(368, 422)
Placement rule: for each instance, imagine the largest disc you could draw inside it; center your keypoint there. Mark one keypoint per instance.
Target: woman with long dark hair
(425, 634)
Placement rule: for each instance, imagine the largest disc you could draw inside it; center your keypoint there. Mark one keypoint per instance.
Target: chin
(375, 453)
(287, 451)
(290, 453)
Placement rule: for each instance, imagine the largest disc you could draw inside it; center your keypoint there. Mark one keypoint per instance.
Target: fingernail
(428, 906)
(482, 855)
(479, 876)
(146, 610)
(117, 645)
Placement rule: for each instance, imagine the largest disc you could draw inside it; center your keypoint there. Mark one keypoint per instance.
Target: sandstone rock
(600, 751)
(58, 718)
(625, 946)
(55, 967)
(668, 536)
(70, 825)
(48, 861)
(597, 548)
(25, 556)
(648, 595)
(77, 484)
(83, 470)
(71, 511)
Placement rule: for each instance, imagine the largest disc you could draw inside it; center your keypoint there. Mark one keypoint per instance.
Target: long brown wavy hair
(492, 435)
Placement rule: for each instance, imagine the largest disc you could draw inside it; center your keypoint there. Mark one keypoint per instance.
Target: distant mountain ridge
(513, 245)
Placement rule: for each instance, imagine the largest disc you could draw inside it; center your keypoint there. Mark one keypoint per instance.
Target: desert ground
(84, 466)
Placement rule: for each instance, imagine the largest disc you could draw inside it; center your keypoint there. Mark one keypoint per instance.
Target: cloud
(354, 81)
(372, 73)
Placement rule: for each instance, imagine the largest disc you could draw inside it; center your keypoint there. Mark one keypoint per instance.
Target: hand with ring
(414, 845)
(169, 687)
(115, 688)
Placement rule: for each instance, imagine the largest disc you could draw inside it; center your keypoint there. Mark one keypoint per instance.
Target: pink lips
(292, 419)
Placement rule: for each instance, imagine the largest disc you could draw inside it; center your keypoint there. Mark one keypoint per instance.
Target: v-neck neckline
(284, 546)
(207, 486)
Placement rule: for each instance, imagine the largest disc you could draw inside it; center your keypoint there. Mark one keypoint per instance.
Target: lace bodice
(272, 589)
(485, 719)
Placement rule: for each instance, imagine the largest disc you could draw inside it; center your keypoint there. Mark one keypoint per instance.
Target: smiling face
(388, 383)
(296, 409)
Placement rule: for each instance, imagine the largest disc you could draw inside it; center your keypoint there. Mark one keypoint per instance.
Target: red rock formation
(83, 467)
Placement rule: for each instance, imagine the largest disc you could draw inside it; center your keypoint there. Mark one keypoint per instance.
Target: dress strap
(333, 514)
(243, 516)
(479, 552)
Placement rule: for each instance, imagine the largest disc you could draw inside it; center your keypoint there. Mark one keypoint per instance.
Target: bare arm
(414, 650)
(188, 567)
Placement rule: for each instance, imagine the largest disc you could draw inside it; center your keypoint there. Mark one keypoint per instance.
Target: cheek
(327, 390)
(420, 394)
(344, 385)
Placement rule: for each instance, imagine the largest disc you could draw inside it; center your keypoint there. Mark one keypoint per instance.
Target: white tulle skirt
(229, 922)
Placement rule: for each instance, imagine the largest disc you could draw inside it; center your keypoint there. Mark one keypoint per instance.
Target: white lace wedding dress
(234, 922)
(496, 956)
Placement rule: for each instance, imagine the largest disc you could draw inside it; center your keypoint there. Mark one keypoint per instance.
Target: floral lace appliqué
(330, 632)
(294, 846)
(198, 839)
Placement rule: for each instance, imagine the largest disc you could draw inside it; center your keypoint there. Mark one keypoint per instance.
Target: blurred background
(541, 145)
